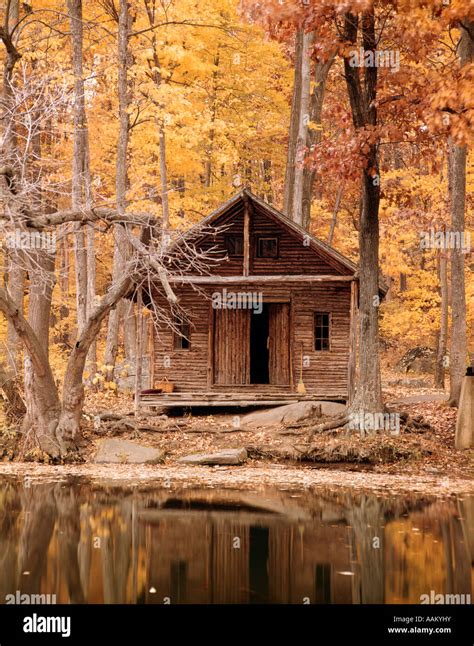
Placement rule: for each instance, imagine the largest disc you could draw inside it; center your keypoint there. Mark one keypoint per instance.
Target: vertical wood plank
(279, 347)
(246, 259)
(351, 365)
(292, 339)
(151, 352)
(210, 347)
(139, 351)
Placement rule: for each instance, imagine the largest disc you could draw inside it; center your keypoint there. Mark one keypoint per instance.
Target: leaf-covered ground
(416, 451)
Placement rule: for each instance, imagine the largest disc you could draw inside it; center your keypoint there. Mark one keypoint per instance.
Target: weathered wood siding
(324, 373)
(294, 256)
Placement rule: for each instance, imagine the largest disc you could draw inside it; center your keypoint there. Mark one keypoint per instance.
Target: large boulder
(125, 452)
(224, 456)
(288, 414)
(420, 359)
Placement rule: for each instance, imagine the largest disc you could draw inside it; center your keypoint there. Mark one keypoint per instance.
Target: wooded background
(115, 113)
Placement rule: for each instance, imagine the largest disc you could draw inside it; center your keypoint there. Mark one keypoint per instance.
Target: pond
(77, 542)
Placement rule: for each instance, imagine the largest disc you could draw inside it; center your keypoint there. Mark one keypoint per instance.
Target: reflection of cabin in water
(280, 304)
(246, 557)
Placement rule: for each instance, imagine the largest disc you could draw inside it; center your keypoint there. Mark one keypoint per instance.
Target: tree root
(338, 422)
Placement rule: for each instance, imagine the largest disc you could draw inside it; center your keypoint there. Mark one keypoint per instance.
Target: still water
(90, 543)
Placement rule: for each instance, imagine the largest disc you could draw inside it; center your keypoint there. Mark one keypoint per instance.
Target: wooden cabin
(280, 306)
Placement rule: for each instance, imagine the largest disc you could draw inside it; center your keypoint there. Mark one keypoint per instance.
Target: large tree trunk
(294, 127)
(42, 403)
(458, 353)
(8, 155)
(68, 429)
(121, 178)
(369, 389)
(303, 122)
(79, 159)
(443, 325)
(41, 271)
(16, 289)
(321, 71)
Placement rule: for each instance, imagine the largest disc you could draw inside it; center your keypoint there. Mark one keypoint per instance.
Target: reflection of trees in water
(293, 551)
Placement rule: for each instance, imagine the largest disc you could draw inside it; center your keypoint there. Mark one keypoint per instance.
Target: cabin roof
(237, 201)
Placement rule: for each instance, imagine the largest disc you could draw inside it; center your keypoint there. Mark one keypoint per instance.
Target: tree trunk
(303, 121)
(129, 330)
(212, 133)
(79, 159)
(16, 289)
(334, 214)
(321, 72)
(267, 181)
(443, 326)
(294, 127)
(91, 295)
(42, 402)
(164, 190)
(8, 154)
(121, 178)
(458, 354)
(363, 101)
(68, 428)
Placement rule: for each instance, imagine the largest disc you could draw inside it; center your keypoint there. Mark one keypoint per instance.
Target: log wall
(324, 373)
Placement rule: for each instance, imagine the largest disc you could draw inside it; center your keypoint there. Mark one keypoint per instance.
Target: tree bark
(458, 353)
(443, 326)
(369, 388)
(79, 158)
(68, 428)
(212, 133)
(8, 154)
(303, 122)
(121, 178)
(294, 127)
(334, 214)
(321, 72)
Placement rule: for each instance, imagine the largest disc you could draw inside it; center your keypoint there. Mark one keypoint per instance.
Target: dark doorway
(259, 372)
(259, 551)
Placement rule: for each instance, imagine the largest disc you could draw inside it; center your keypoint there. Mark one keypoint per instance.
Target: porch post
(351, 367)
(139, 352)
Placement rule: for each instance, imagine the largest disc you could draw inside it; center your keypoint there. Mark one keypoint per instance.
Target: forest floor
(419, 458)
(428, 450)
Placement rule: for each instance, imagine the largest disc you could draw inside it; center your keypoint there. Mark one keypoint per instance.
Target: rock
(418, 359)
(224, 456)
(409, 383)
(125, 452)
(288, 414)
(331, 408)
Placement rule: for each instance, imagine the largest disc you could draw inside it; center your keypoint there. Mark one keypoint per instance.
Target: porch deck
(214, 399)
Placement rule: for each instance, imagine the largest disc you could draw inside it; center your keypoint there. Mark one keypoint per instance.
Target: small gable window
(322, 330)
(234, 245)
(267, 247)
(181, 335)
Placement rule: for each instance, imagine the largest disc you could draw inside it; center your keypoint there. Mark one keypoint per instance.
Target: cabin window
(234, 245)
(267, 247)
(181, 336)
(322, 324)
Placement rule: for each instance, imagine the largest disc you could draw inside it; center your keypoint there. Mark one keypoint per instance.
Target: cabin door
(231, 346)
(279, 343)
(270, 345)
(251, 346)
